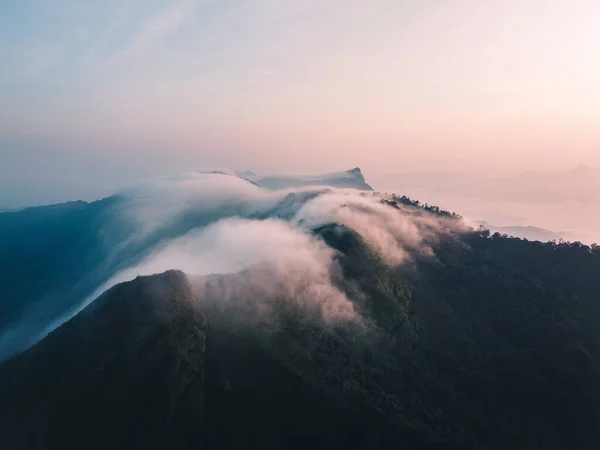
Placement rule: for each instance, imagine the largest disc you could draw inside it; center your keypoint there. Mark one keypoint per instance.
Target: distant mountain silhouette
(349, 179)
(581, 183)
(530, 233)
(581, 170)
(247, 174)
(46, 251)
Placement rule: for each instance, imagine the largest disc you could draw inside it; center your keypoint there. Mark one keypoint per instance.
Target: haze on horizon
(95, 95)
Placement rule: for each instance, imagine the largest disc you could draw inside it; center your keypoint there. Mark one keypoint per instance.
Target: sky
(95, 93)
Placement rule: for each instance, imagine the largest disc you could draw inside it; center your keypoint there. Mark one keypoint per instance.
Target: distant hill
(349, 179)
(50, 258)
(530, 233)
(247, 174)
(581, 183)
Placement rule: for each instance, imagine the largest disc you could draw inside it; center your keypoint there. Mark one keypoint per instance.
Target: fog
(248, 249)
(565, 203)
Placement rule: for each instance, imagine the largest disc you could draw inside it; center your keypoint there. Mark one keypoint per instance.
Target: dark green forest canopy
(495, 339)
(396, 201)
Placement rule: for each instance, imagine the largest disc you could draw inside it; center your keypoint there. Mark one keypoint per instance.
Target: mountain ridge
(457, 347)
(352, 178)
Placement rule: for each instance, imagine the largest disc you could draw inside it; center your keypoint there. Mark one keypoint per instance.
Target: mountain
(54, 258)
(125, 373)
(45, 251)
(530, 233)
(568, 200)
(574, 174)
(455, 355)
(322, 318)
(353, 179)
(581, 183)
(247, 174)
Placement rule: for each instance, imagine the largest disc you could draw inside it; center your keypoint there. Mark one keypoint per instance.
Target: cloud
(274, 263)
(396, 236)
(159, 25)
(265, 238)
(164, 21)
(251, 252)
(212, 194)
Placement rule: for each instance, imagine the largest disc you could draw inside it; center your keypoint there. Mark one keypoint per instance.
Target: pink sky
(494, 87)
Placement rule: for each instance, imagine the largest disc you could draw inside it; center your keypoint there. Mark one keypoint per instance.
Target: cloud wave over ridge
(248, 248)
(242, 227)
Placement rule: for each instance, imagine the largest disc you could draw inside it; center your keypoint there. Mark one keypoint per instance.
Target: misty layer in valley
(220, 310)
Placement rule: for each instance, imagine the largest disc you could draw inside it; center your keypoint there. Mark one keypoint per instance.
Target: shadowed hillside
(125, 373)
(491, 344)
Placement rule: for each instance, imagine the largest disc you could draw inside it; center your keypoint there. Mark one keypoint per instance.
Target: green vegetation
(406, 201)
(125, 373)
(492, 344)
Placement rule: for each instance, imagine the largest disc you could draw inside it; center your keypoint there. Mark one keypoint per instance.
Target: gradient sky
(93, 93)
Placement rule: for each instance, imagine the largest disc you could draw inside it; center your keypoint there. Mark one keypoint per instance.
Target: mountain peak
(349, 179)
(246, 174)
(582, 169)
(357, 174)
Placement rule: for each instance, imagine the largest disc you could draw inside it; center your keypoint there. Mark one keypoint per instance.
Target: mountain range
(205, 311)
(581, 183)
(530, 233)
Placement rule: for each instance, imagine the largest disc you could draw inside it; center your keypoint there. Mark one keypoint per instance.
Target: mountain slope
(46, 248)
(484, 346)
(125, 373)
(474, 341)
(54, 258)
(140, 368)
